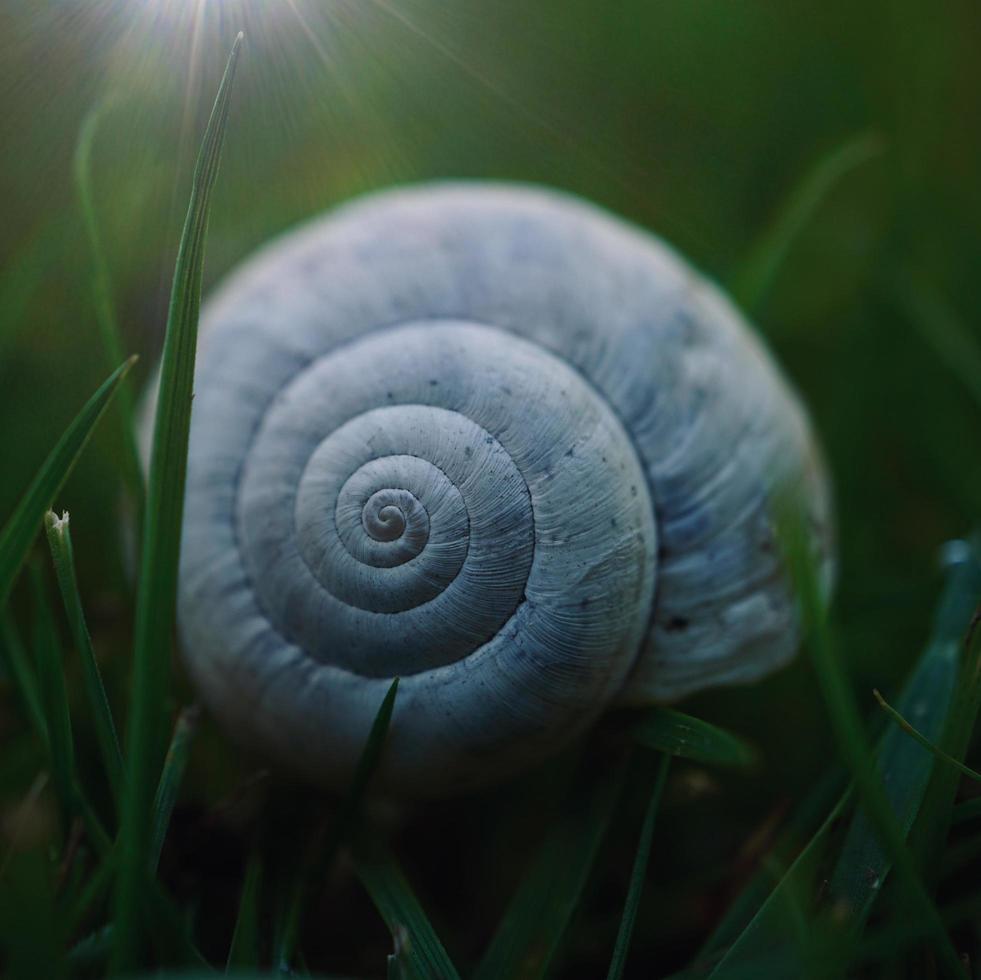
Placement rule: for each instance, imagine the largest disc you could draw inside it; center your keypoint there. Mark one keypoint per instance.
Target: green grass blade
(752, 282)
(905, 767)
(772, 932)
(918, 736)
(674, 733)
(24, 523)
(960, 607)
(638, 873)
(54, 699)
(850, 735)
(862, 863)
(316, 871)
(243, 953)
(102, 294)
(156, 599)
(22, 676)
(174, 767)
(402, 913)
(62, 555)
(538, 915)
(803, 826)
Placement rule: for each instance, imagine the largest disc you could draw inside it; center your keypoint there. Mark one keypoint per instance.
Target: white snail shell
(493, 441)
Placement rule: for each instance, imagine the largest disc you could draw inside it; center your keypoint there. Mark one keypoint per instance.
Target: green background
(699, 119)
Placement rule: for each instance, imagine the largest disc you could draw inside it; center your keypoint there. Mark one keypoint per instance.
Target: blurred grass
(699, 121)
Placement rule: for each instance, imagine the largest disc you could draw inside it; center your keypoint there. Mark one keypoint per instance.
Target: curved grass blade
(905, 767)
(674, 733)
(157, 595)
(102, 293)
(63, 557)
(538, 915)
(933, 823)
(916, 734)
(639, 873)
(850, 735)
(174, 766)
(319, 867)
(766, 936)
(19, 531)
(750, 285)
(398, 906)
(807, 823)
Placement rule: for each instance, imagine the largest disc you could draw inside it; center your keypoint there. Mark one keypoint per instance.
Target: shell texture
(493, 441)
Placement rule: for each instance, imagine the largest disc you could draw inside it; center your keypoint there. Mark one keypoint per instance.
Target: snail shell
(495, 442)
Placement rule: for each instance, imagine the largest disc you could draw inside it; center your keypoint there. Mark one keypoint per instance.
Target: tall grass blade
(156, 599)
(905, 768)
(63, 557)
(316, 871)
(850, 735)
(538, 915)
(960, 608)
(862, 863)
(918, 736)
(54, 699)
(399, 907)
(799, 829)
(102, 294)
(674, 733)
(638, 873)
(25, 522)
(750, 285)
(171, 777)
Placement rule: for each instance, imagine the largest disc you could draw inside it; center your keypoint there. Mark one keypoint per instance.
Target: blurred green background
(706, 121)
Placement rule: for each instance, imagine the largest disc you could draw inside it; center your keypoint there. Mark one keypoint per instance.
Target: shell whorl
(496, 443)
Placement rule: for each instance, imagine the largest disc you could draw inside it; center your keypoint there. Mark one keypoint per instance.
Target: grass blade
(318, 869)
(398, 906)
(961, 606)
(54, 700)
(539, 913)
(156, 599)
(19, 531)
(861, 866)
(905, 767)
(850, 736)
(918, 736)
(175, 764)
(753, 281)
(102, 294)
(674, 733)
(62, 554)
(639, 873)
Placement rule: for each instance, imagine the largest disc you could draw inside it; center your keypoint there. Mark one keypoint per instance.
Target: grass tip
(56, 524)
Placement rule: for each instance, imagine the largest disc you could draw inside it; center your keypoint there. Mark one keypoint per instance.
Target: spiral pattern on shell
(495, 443)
